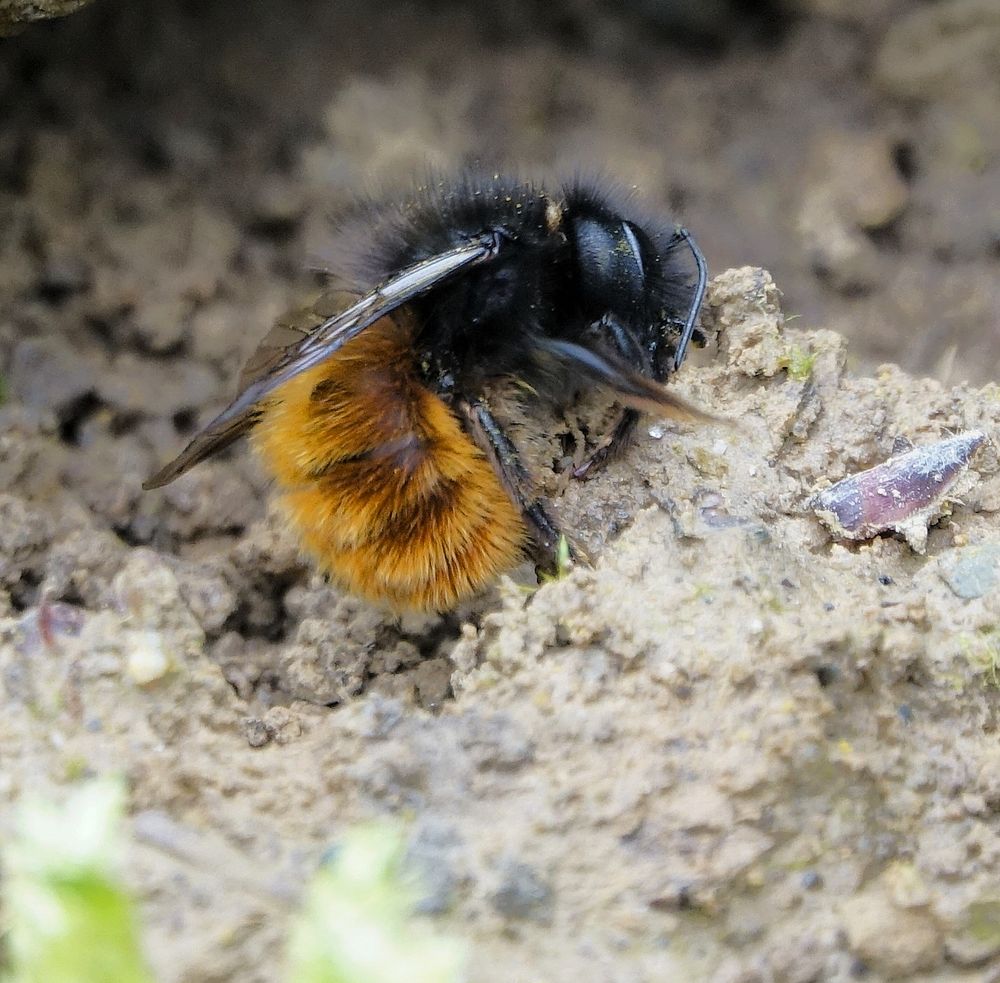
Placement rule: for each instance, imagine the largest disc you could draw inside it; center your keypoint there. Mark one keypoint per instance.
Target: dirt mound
(731, 750)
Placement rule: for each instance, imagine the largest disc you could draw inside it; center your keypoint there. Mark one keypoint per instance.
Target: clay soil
(730, 749)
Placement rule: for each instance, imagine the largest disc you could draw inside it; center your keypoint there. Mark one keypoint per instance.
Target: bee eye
(609, 262)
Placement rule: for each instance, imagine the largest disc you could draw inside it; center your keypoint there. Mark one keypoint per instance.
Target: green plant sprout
(797, 362)
(357, 926)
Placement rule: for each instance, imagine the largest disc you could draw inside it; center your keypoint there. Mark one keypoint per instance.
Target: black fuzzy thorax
(559, 272)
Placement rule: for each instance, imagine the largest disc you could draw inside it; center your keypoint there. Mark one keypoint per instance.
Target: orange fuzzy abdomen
(385, 489)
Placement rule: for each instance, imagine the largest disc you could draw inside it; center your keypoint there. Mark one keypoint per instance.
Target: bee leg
(506, 461)
(630, 351)
(610, 446)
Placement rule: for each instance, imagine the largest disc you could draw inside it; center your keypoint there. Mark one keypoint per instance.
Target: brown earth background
(731, 750)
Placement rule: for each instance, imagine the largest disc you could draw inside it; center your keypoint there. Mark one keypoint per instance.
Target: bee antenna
(699, 294)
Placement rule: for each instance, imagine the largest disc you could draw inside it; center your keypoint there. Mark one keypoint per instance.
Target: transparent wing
(290, 329)
(336, 331)
(290, 348)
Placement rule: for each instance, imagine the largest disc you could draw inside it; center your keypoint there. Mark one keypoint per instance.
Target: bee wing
(289, 330)
(207, 442)
(289, 348)
(336, 331)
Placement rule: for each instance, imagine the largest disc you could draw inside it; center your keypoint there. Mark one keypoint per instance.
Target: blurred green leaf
(67, 916)
(357, 923)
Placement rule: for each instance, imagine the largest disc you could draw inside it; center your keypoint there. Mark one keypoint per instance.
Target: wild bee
(371, 408)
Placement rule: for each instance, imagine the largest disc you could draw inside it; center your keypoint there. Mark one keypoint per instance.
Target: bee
(372, 408)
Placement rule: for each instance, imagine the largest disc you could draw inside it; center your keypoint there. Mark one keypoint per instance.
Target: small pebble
(972, 572)
(148, 662)
(522, 892)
